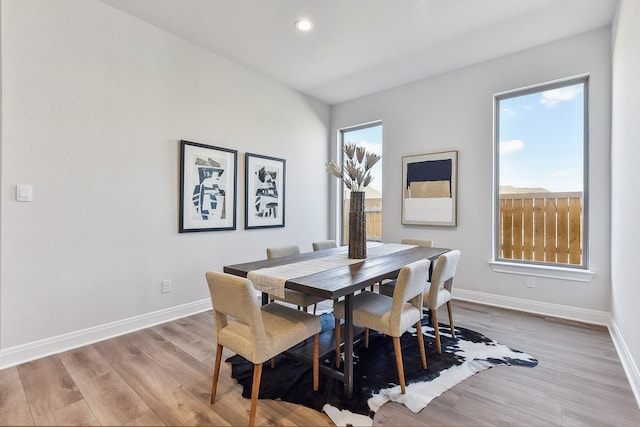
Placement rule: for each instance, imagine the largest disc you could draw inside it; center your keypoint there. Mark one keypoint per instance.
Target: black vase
(357, 226)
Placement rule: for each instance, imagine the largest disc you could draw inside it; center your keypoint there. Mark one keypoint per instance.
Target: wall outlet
(531, 282)
(166, 286)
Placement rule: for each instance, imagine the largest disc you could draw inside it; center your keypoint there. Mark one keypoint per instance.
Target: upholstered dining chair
(257, 333)
(427, 243)
(418, 242)
(324, 244)
(293, 297)
(390, 315)
(437, 292)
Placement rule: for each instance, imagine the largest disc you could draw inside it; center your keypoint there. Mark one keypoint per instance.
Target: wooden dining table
(384, 262)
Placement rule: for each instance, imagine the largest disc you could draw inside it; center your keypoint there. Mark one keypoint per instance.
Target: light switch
(24, 193)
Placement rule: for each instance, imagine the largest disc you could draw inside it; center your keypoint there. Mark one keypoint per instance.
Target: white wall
(625, 198)
(94, 104)
(454, 111)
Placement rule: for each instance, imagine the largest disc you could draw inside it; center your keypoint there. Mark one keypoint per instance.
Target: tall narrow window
(370, 136)
(541, 174)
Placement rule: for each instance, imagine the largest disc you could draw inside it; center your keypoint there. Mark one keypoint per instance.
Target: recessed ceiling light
(303, 25)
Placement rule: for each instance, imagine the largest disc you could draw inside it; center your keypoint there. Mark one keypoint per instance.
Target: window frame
(341, 132)
(538, 268)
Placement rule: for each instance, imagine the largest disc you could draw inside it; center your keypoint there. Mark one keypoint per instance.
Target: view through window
(370, 136)
(541, 142)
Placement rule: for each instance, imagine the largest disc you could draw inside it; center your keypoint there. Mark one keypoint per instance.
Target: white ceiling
(358, 47)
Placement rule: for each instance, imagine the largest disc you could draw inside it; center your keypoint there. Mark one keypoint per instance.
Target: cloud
(373, 148)
(508, 147)
(507, 112)
(551, 98)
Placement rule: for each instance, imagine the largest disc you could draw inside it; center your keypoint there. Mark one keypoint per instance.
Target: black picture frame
(265, 179)
(208, 187)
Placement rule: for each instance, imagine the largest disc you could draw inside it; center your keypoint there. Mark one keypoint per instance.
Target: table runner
(272, 279)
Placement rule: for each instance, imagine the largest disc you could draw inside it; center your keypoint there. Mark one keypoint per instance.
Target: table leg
(348, 346)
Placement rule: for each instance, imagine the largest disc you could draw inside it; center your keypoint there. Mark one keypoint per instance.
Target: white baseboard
(630, 367)
(564, 312)
(35, 350)
(537, 307)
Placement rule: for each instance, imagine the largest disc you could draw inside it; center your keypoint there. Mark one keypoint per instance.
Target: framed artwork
(264, 204)
(430, 189)
(208, 182)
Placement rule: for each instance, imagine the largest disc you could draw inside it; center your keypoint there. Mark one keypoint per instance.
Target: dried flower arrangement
(356, 170)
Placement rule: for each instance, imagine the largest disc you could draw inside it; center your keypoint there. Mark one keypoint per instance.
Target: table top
(343, 280)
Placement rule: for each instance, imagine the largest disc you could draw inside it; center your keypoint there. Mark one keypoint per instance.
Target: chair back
(325, 244)
(282, 251)
(442, 275)
(233, 296)
(427, 243)
(409, 287)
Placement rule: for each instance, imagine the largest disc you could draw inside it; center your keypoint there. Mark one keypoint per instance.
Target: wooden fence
(542, 227)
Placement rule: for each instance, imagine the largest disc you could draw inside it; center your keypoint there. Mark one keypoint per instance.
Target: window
(369, 135)
(541, 175)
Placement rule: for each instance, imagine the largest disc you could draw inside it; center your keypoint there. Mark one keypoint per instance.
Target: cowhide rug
(375, 374)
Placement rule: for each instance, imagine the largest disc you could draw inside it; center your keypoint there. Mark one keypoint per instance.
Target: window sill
(542, 271)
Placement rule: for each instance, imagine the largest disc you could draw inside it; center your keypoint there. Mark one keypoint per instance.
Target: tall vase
(357, 226)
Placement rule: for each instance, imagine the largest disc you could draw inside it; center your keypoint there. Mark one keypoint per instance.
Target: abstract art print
(430, 189)
(208, 183)
(265, 177)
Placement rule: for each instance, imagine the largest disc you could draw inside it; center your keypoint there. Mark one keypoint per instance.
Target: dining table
(330, 274)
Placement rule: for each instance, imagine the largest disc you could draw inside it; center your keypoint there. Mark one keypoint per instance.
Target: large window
(541, 174)
(370, 136)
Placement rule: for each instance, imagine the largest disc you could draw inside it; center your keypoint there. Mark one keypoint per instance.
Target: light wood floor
(162, 376)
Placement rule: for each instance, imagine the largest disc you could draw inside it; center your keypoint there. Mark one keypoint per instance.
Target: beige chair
(390, 315)
(293, 297)
(427, 243)
(418, 242)
(325, 244)
(257, 333)
(438, 291)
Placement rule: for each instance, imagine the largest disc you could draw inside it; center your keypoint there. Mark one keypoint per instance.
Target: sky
(541, 139)
(371, 137)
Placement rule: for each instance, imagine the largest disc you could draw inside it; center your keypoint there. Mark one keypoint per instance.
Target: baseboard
(628, 364)
(564, 312)
(556, 310)
(35, 350)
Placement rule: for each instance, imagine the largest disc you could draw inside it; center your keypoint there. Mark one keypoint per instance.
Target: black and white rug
(375, 374)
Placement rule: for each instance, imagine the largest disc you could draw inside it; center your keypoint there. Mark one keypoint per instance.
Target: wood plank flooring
(162, 376)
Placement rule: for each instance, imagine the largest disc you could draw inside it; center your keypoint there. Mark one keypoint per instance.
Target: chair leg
(316, 363)
(336, 333)
(255, 390)
(273, 362)
(434, 320)
(315, 307)
(423, 355)
(453, 332)
(398, 352)
(366, 337)
(216, 373)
